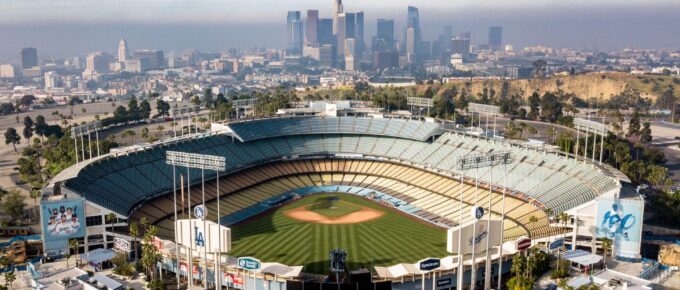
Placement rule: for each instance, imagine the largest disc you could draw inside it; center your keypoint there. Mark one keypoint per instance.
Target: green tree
(145, 133)
(534, 105)
(634, 124)
(145, 109)
(134, 233)
(657, 175)
(150, 254)
(12, 137)
(646, 133)
(73, 246)
(13, 205)
(129, 134)
(551, 107)
(41, 126)
(162, 107)
(10, 277)
(606, 249)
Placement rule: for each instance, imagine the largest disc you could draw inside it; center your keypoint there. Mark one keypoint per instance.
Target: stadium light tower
(486, 110)
(476, 161)
(202, 162)
(597, 129)
(81, 131)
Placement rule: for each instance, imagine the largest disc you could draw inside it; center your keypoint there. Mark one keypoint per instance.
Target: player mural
(621, 221)
(63, 219)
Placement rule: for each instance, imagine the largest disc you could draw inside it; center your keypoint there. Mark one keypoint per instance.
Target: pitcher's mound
(363, 215)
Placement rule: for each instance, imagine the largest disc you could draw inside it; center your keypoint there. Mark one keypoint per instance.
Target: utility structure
(463, 164)
(482, 109)
(245, 104)
(202, 162)
(419, 103)
(182, 113)
(81, 131)
(590, 126)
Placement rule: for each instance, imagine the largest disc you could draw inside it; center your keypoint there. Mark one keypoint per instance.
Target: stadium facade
(411, 163)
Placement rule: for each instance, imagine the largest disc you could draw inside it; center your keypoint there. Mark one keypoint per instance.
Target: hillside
(599, 85)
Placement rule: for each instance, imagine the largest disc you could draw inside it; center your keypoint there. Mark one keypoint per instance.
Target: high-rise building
(385, 59)
(9, 71)
(29, 57)
(340, 35)
(122, 50)
(359, 34)
(337, 10)
(460, 46)
(312, 32)
(98, 63)
(294, 32)
(495, 37)
(51, 80)
(386, 30)
(155, 57)
(412, 29)
(324, 31)
(351, 61)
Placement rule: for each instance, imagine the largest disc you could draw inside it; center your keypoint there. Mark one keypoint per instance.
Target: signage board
(338, 258)
(193, 234)
(249, 263)
(429, 264)
(443, 282)
(200, 212)
(522, 243)
(621, 221)
(232, 280)
(556, 244)
(63, 219)
(481, 234)
(477, 212)
(121, 245)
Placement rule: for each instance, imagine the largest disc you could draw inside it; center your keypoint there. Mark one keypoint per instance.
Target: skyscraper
(155, 57)
(461, 46)
(359, 34)
(294, 32)
(122, 50)
(384, 39)
(412, 23)
(98, 63)
(324, 31)
(311, 35)
(337, 10)
(29, 57)
(340, 35)
(495, 37)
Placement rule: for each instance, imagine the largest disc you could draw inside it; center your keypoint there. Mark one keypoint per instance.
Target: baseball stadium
(385, 190)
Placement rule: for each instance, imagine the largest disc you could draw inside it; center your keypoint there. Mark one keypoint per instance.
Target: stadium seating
(127, 182)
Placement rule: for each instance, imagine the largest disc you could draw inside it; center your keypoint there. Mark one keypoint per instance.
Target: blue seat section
(122, 183)
(280, 199)
(267, 128)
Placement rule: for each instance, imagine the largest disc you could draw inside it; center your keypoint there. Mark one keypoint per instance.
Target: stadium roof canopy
(124, 182)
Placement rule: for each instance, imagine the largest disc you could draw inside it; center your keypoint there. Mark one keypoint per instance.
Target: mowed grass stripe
(388, 240)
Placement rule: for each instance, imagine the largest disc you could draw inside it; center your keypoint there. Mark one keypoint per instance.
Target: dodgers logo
(616, 223)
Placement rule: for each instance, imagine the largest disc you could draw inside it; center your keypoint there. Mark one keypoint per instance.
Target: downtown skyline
(588, 26)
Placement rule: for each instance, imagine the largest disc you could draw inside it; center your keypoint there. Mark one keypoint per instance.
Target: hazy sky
(75, 27)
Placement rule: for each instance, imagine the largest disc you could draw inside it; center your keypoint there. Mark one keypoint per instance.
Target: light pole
(202, 162)
(476, 161)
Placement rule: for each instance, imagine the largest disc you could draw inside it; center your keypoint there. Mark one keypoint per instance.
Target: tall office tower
(446, 38)
(411, 45)
(495, 37)
(155, 57)
(460, 46)
(412, 25)
(312, 32)
(351, 61)
(51, 80)
(9, 71)
(122, 50)
(29, 57)
(294, 32)
(359, 34)
(465, 34)
(98, 63)
(384, 38)
(325, 31)
(337, 10)
(340, 35)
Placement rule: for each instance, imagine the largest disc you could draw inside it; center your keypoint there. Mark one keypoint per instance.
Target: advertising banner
(64, 219)
(621, 221)
(232, 280)
(481, 234)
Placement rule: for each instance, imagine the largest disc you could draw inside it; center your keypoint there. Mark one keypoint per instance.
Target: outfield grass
(330, 207)
(390, 239)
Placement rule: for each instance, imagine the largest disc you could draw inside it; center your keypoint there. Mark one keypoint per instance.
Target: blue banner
(64, 219)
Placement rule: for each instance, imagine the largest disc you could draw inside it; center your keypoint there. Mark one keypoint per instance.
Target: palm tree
(510, 129)
(606, 248)
(9, 279)
(522, 126)
(134, 233)
(551, 134)
(563, 217)
(111, 217)
(73, 244)
(145, 134)
(129, 134)
(532, 130)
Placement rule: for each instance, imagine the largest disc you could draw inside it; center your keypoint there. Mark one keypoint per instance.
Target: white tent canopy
(582, 257)
(280, 270)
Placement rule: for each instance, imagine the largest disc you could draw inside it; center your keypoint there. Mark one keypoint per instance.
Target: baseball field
(303, 231)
